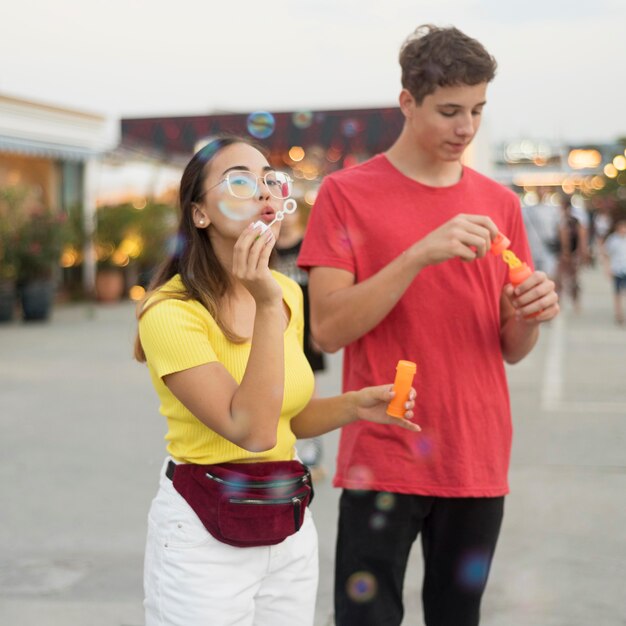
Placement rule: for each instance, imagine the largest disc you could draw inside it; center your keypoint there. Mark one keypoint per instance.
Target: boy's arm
(343, 310)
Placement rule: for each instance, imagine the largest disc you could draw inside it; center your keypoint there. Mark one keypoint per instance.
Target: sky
(561, 72)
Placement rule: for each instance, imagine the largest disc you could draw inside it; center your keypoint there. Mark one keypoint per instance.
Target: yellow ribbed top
(177, 335)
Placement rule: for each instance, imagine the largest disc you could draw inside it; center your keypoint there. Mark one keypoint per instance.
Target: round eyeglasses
(244, 184)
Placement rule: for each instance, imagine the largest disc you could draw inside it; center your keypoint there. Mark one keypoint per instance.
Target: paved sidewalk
(83, 445)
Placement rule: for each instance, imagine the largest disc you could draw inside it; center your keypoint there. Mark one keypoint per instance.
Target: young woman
(222, 336)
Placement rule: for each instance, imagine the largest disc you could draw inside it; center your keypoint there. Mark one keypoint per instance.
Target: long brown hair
(204, 278)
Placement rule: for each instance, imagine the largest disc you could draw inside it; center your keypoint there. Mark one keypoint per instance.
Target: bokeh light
(261, 124)
(70, 257)
(597, 182)
(580, 159)
(362, 587)
(568, 186)
(333, 155)
(577, 201)
(530, 199)
(619, 162)
(296, 153)
(610, 171)
(310, 196)
(136, 292)
(120, 258)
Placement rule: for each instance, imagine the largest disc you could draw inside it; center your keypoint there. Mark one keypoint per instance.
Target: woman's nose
(263, 190)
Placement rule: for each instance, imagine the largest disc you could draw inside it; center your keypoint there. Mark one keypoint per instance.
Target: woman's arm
(322, 415)
(246, 414)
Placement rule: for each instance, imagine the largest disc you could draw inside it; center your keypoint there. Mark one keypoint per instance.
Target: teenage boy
(400, 268)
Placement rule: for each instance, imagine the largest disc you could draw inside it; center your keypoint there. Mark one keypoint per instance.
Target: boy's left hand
(371, 405)
(535, 300)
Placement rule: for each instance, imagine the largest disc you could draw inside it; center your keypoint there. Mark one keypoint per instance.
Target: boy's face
(445, 123)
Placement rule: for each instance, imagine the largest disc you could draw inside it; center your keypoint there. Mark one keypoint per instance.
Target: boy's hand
(467, 237)
(535, 300)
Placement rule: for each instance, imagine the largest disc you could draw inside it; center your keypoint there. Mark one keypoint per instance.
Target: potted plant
(38, 245)
(130, 240)
(156, 228)
(11, 199)
(8, 272)
(113, 223)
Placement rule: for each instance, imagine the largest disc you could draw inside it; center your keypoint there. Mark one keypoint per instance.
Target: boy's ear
(407, 103)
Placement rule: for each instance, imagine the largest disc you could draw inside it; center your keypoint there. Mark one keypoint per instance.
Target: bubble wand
(289, 206)
(518, 270)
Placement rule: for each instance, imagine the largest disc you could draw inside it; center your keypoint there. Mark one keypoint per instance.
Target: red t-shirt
(447, 321)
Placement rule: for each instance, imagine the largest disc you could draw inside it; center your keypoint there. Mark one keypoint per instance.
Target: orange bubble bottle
(518, 270)
(405, 372)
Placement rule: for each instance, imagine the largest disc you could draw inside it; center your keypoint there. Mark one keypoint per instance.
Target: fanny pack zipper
(268, 485)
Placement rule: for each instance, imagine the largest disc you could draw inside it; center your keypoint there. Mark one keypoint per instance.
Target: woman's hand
(251, 265)
(371, 404)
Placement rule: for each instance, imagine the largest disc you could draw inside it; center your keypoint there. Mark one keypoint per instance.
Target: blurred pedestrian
(542, 225)
(614, 257)
(222, 338)
(601, 227)
(398, 251)
(287, 250)
(573, 254)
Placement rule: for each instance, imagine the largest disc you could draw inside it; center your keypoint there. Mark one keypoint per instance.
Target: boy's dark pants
(376, 532)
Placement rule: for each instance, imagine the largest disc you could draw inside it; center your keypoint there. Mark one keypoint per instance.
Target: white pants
(192, 579)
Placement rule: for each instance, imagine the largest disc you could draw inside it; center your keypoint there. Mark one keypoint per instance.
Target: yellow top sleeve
(179, 334)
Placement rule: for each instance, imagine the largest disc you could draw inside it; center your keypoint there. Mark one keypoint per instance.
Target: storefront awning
(46, 150)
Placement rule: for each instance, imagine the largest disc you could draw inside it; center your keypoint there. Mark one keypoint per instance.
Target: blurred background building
(121, 197)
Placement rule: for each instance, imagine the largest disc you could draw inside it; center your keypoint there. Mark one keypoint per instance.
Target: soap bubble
(361, 587)
(378, 521)
(302, 119)
(423, 446)
(176, 245)
(360, 477)
(237, 209)
(261, 124)
(473, 570)
(350, 127)
(385, 501)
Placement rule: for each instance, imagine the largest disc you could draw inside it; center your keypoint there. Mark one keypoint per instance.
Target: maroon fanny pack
(246, 504)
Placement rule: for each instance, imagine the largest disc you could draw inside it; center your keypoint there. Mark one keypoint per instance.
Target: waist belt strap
(171, 468)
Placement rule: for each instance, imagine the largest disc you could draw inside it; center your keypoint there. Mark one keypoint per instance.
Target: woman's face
(227, 214)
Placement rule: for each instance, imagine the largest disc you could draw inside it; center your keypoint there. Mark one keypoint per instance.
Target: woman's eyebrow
(266, 168)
